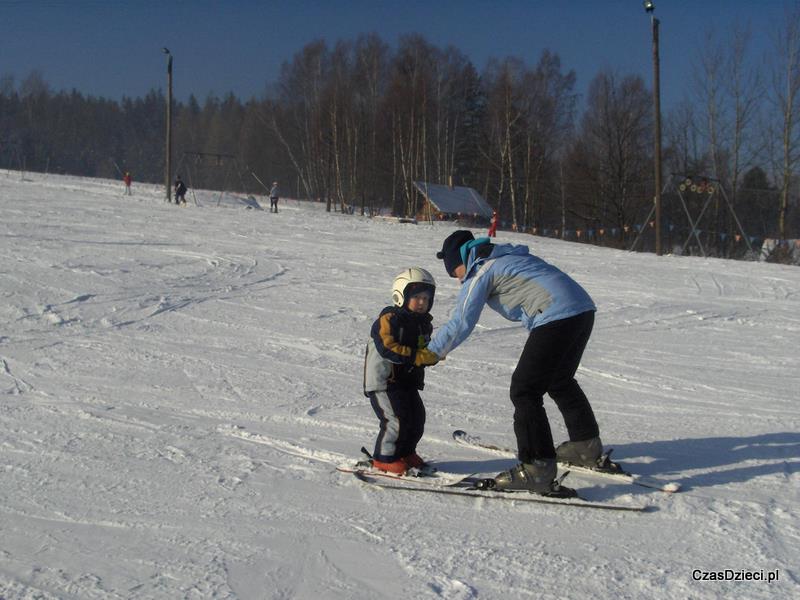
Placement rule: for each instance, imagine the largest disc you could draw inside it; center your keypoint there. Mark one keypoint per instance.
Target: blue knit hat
(451, 249)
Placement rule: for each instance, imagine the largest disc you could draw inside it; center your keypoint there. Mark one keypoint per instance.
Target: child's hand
(425, 358)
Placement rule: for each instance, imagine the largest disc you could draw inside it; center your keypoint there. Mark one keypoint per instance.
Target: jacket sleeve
(471, 299)
(387, 345)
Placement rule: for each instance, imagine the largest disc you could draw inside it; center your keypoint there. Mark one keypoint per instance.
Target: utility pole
(649, 7)
(168, 162)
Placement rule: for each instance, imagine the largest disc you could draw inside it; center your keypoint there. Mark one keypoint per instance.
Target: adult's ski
(466, 489)
(618, 474)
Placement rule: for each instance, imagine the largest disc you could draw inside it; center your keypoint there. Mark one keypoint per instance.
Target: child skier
(394, 370)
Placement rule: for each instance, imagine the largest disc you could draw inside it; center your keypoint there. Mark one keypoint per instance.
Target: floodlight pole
(657, 132)
(168, 150)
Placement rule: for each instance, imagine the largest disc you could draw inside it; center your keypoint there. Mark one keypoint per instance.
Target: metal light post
(168, 162)
(649, 7)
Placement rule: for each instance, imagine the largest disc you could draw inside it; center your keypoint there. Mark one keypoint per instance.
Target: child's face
(419, 303)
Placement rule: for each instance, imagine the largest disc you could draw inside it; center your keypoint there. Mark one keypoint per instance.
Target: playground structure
(704, 190)
(203, 169)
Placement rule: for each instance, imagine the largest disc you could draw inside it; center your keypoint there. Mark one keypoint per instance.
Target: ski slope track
(177, 386)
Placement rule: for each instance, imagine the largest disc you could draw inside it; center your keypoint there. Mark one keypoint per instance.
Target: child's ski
(427, 475)
(434, 480)
(467, 439)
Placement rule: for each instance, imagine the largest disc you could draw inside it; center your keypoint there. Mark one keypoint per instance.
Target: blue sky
(112, 48)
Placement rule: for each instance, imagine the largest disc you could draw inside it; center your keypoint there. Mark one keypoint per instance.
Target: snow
(177, 385)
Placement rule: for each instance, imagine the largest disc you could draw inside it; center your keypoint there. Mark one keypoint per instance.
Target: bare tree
(408, 104)
(505, 108)
(684, 148)
(614, 145)
(708, 84)
(342, 127)
(785, 97)
(550, 120)
(745, 89)
(301, 130)
(729, 89)
(370, 81)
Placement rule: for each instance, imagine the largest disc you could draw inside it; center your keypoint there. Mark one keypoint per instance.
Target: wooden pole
(168, 150)
(657, 151)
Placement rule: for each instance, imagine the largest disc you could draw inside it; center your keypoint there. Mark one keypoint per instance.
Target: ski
(427, 475)
(462, 437)
(439, 479)
(466, 488)
(425, 470)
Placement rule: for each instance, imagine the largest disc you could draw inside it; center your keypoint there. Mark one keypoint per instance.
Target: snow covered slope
(177, 384)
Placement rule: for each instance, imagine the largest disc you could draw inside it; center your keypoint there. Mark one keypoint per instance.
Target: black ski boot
(585, 453)
(538, 477)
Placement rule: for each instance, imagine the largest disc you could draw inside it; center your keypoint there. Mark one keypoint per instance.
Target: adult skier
(274, 194)
(559, 316)
(180, 191)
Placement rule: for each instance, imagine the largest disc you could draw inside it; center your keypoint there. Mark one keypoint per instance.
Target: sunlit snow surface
(177, 385)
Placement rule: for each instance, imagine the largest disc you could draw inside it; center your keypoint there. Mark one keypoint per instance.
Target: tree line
(355, 123)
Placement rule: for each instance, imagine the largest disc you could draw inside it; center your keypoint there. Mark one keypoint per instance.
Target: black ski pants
(547, 365)
(402, 422)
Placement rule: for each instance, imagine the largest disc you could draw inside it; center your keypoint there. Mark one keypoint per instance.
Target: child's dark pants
(402, 423)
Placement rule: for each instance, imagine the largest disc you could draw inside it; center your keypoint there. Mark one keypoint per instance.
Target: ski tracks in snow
(178, 385)
(284, 447)
(18, 385)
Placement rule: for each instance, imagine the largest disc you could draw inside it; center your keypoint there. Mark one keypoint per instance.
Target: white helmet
(412, 281)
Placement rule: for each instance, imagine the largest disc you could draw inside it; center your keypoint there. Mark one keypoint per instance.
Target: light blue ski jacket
(518, 285)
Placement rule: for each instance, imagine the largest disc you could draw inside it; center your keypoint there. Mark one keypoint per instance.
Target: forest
(355, 123)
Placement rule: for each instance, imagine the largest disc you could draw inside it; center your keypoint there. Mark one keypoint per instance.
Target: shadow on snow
(694, 463)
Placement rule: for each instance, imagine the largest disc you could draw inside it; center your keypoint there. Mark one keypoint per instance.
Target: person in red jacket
(493, 225)
(127, 179)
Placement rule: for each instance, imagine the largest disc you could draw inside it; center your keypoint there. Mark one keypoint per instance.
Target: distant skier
(127, 179)
(394, 370)
(274, 194)
(559, 315)
(493, 225)
(180, 191)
